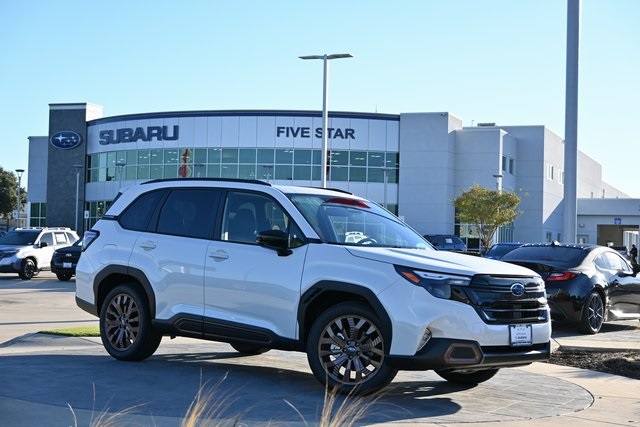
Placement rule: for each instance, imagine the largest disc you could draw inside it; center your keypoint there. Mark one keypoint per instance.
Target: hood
(441, 261)
(12, 247)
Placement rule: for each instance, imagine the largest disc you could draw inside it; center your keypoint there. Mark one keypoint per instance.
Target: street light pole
(325, 111)
(78, 169)
(19, 172)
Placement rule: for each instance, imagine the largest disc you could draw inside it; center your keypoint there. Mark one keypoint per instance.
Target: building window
(561, 177)
(504, 163)
(549, 236)
(549, 172)
(38, 215)
(246, 163)
(512, 167)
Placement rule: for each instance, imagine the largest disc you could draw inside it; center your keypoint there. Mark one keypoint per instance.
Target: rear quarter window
(139, 213)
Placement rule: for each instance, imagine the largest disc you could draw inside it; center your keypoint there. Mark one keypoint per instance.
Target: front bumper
(10, 264)
(453, 354)
(58, 267)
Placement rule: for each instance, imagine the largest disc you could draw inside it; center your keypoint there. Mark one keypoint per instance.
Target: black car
(64, 260)
(586, 284)
(499, 250)
(445, 242)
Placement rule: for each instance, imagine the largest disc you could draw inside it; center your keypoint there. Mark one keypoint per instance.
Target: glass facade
(243, 163)
(38, 215)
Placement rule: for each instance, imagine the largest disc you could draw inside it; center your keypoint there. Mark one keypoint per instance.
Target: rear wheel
(28, 269)
(125, 325)
(249, 348)
(468, 377)
(65, 277)
(592, 314)
(346, 350)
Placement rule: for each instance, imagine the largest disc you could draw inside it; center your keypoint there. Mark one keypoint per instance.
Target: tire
(346, 350)
(125, 325)
(592, 314)
(65, 277)
(28, 269)
(249, 348)
(468, 377)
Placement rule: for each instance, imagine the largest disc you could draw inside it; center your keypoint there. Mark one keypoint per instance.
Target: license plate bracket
(520, 335)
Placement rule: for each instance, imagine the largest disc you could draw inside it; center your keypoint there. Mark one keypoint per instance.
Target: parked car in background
(586, 284)
(499, 250)
(446, 242)
(64, 261)
(27, 251)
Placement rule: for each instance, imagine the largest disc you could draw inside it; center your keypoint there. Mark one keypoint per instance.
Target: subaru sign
(66, 140)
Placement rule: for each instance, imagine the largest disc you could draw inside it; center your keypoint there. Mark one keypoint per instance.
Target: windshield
(20, 238)
(355, 222)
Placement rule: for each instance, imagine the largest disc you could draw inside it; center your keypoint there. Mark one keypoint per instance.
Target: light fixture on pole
(325, 114)
(19, 172)
(120, 171)
(78, 168)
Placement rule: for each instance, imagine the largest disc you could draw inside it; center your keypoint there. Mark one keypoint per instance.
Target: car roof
(130, 193)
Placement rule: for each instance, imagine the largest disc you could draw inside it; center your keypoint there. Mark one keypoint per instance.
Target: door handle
(148, 245)
(219, 255)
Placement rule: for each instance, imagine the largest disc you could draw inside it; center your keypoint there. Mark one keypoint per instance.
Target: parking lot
(50, 380)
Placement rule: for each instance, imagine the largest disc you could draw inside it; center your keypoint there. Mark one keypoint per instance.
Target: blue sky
(497, 61)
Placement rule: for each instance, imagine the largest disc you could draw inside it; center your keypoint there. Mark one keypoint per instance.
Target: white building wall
(478, 157)
(427, 165)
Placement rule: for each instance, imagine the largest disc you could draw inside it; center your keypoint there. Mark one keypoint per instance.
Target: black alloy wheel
(28, 269)
(592, 314)
(125, 325)
(346, 350)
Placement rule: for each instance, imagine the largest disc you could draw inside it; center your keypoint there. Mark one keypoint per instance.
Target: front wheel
(592, 314)
(28, 269)
(468, 377)
(125, 325)
(346, 350)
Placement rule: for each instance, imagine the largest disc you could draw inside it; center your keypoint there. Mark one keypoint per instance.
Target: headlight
(440, 285)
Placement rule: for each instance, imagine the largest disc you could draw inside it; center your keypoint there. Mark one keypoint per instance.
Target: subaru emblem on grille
(518, 289)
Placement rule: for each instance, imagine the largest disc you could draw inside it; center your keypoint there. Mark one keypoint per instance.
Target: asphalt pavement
(48, 380)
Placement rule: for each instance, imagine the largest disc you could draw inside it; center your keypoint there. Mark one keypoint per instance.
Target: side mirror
(275, 239)
(43, 244)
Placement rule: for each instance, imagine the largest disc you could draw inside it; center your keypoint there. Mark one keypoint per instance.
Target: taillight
(89, 237)
(560, 276)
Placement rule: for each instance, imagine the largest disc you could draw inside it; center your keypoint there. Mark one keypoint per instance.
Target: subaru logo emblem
(517, 289)
(66, 140)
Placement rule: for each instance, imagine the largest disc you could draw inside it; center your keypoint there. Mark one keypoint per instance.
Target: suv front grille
(494, 299)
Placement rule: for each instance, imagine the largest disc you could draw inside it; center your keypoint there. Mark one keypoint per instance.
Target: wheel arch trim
(102, 279)
(322, 288)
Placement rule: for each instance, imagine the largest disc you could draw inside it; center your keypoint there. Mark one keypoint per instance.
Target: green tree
(487, 209)
(9, 194)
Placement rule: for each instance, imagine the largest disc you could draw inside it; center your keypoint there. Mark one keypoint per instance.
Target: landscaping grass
(82, 331)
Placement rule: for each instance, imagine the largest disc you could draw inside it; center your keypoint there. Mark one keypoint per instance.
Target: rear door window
(189, 212)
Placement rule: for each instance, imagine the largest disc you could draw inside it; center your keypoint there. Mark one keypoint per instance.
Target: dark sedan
(64, 261)
(586, 284)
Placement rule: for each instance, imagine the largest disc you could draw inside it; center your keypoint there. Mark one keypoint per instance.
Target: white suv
(273, 267)
(27, 251)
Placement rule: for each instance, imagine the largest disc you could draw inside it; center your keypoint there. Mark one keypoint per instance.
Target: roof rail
(245, 181)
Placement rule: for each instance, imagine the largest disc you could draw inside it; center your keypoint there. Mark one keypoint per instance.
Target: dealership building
(415, 164)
